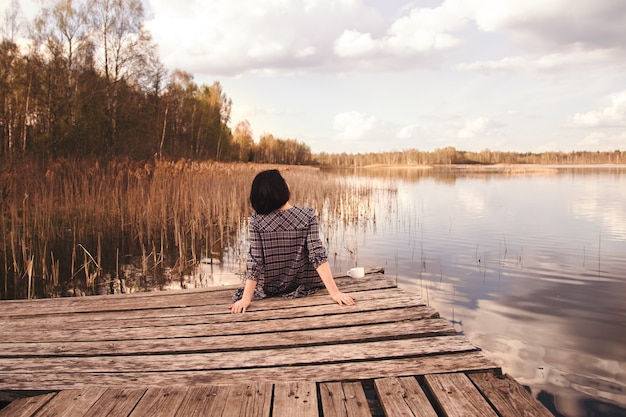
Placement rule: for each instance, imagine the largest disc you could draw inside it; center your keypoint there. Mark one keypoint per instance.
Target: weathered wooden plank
(344, 399)
(71, 402)
(116, 403)
(272, 339)
(208, 309)
(22, 309)
(26, 407)
(403, 397)
(333, 400)
(253, 358)
(508, 396)
(361, 370)
(215, 296)
(238, 400)
(457, 396)
(224, 324)
(160, 402)
(204, 400)
(177, 315)
(249, 400)
(391, 395)
(222, 329)
(96, 299)
(140, 300)
(356, 401)
(295, 399)
(416, 398)
(198, 401)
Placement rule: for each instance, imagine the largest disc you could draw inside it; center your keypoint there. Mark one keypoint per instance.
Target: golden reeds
(69, 223)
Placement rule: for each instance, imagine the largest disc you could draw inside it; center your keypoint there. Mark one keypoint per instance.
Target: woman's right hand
(343, 299)
(239, 306)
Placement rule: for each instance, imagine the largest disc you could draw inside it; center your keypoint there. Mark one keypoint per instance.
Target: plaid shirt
(285, 250)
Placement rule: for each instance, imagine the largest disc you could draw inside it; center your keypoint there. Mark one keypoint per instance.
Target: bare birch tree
(124, 46)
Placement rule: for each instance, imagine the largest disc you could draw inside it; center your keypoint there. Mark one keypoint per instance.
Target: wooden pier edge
(181, 354)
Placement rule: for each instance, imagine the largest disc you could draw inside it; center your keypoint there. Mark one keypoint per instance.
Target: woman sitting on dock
(286, 255)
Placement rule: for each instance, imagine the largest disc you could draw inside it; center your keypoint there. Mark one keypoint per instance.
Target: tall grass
(68, 225)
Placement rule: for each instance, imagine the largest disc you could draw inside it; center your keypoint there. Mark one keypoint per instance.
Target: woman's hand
(343, 299)
(244, 302)
(329, 282)
(239, 306)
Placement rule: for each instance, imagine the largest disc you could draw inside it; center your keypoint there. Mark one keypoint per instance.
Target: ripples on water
(532, 268)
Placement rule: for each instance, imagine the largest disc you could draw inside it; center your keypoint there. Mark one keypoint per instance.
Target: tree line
(451, 156)
(88, 82)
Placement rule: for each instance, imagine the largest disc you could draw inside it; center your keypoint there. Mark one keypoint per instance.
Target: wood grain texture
(403, 397)
(26, 407)
(465, 361)
(116, 403)
(295, 399)
(160, 402)
(457, 396)
(71, 403)
(508, 397)
(344, 399)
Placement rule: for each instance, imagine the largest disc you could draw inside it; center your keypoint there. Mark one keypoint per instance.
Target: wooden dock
(182, 354)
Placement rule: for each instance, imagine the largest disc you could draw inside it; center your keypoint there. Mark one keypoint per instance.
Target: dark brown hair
(269, 191)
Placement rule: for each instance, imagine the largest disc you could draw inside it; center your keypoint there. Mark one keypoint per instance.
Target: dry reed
(69, 225)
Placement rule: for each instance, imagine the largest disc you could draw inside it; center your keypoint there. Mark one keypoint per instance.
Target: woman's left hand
(343, 299)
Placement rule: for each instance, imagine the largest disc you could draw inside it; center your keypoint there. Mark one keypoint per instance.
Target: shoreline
(494, 167)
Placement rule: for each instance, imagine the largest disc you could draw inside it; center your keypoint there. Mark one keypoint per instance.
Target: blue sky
(368, 76)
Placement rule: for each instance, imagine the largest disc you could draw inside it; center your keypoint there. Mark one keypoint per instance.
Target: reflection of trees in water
(451, 173)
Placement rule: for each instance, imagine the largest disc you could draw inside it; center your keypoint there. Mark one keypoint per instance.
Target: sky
(384, 75)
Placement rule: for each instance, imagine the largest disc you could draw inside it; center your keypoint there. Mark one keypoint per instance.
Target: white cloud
(575, 58)
(475, 128)
(353, 43)
(306, 52)
(603, 141)
(495, 15)
(552, 35)
(422, 30)
(555, 23)
(425, 29)
(353, 125)
(506, 64)
(266, 50)
(409, 131)
(614, 115)
(235, 37)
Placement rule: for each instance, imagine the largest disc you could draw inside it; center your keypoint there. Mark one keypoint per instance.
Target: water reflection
(531, 267)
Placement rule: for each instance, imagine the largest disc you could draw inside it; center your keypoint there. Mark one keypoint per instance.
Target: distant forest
(90, 84)
(452, 156)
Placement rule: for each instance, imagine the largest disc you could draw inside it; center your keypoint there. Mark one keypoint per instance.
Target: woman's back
(285, 250)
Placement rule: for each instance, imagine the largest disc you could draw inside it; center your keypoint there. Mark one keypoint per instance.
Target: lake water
(531, 267)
